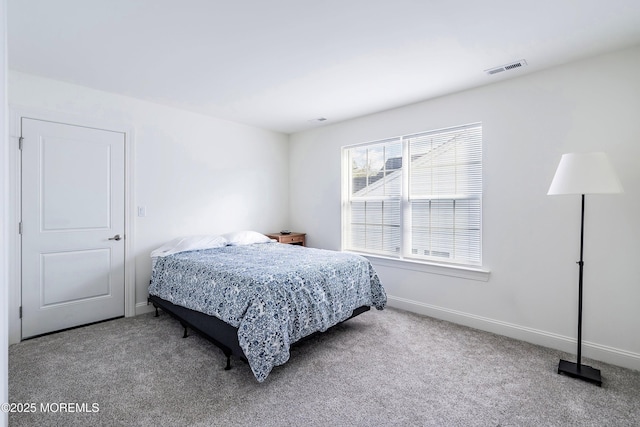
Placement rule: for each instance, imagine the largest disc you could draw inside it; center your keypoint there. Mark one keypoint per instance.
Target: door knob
(116, 237)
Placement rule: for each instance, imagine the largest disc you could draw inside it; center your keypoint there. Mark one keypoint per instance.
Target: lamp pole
(581, 269)
(578, 370)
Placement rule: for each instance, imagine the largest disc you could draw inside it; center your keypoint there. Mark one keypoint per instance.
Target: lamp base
(583, 372)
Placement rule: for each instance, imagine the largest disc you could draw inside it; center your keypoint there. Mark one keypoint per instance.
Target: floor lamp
(583, 173)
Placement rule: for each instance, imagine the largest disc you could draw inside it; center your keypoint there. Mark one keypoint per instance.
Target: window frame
(405, 251)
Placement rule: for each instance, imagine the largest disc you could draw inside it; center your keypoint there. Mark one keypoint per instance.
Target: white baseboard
(143, 307)
(614, 356)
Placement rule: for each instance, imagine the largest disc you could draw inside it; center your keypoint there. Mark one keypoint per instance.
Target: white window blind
(375, 197)
(417, 196)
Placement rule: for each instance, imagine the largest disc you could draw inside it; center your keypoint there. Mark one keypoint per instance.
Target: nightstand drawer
(290, 239)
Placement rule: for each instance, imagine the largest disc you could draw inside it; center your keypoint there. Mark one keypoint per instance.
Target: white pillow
(247, 237)
(190, 243)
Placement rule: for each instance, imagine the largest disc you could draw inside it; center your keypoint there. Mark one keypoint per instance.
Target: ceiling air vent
(507, 67)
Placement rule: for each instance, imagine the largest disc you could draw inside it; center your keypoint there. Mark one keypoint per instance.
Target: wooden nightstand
(291, 238)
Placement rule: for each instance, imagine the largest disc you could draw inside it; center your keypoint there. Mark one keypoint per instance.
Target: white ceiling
(278, 64)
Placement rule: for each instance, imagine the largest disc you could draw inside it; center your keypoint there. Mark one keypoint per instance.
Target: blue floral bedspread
(275, 294)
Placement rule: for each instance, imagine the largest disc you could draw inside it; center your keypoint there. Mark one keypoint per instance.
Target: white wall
(194, 174)
(530, 240)
(4, 221)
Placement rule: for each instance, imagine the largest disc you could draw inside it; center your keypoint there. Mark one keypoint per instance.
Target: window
(417, 196)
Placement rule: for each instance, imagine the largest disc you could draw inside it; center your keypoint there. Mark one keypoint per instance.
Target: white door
(72, 226)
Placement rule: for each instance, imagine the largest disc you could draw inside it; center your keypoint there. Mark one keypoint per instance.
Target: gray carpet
(380, 369)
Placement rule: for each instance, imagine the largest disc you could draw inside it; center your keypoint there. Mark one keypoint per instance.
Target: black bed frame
(215, 330)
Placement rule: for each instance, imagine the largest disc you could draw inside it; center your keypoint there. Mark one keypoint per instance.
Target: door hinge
(20, 310)
(20, 143)
(20, 228)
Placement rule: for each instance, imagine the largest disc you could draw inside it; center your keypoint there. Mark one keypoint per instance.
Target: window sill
(470, 273)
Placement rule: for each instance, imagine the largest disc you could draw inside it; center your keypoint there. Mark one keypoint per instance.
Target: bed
(254, 298)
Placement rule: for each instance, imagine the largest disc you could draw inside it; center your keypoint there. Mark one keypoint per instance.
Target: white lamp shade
(585, 173)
